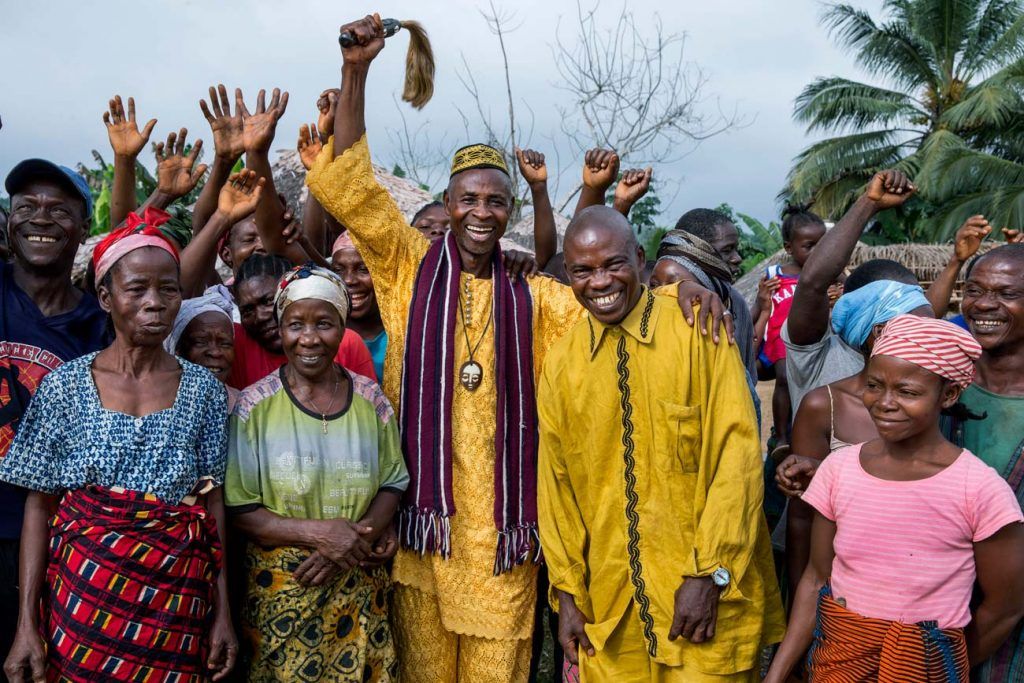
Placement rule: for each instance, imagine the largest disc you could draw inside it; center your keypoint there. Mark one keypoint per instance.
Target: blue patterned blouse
(68, 440)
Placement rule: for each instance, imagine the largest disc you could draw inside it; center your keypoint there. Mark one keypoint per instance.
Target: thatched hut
(925, 260)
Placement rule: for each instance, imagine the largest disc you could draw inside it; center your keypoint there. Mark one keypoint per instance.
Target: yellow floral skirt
(338, 631)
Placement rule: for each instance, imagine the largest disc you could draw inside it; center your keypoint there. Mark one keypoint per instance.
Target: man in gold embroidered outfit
(465, 591)
(649, 482)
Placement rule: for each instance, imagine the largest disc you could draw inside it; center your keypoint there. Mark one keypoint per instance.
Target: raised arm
(631, 188)
(600, 168)
(535, 173)
(809, 315)
(228, 148)
(309, 146)
(237, 199)
(126, 141)
(350, 116)
(965, 245)
(258, 130)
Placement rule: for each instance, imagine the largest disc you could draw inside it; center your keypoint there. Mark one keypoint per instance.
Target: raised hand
(258, 127)
(532, 166)
(327, 104)
(227, 128)
(1013, 236)
(600, 168)
(888, 189)
(125, 138)
(176, 173)
(634, 184)
(969, 237)
(369, 40)
(239, 196)
(309, 145)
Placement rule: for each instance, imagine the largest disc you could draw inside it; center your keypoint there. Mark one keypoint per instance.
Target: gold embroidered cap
(478, 156)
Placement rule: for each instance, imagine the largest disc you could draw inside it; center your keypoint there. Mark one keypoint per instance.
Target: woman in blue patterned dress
(125, 450)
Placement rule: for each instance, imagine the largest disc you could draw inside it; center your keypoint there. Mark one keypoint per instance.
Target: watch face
(721, 577)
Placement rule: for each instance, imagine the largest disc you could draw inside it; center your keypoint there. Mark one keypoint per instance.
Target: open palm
(240, 195)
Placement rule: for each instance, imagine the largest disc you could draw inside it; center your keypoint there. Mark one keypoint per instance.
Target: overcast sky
(63, 60)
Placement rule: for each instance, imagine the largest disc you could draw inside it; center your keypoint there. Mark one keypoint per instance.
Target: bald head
(604, 263)
(603, 223)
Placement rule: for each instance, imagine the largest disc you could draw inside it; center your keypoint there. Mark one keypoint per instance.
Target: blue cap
(41, 169)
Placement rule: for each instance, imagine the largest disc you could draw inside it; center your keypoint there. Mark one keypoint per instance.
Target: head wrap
(343, 242)
(312, 282)
(701, 259)
(138, 232)
(938, 346)
(478, 156)
(216, 299)
(877, 302)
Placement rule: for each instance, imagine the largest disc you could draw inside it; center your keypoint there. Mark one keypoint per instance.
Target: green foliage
(398, 171)
(757, 241)
(947, 108)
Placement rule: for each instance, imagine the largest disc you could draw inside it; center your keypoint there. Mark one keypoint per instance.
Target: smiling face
(255, 298)
(209, 341)
(142, 295)
(604, 262)
(478, 202)
(993, 304)
(904, 399)
(311, 332)
(46, 226)
(727, 244)
(351, 268)
(803, 241)
(243, 241)
(432, 222)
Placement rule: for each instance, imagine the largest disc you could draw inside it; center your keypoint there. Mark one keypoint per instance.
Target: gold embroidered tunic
(472, 601)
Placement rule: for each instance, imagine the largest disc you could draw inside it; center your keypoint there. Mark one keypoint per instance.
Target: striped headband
(938, 346)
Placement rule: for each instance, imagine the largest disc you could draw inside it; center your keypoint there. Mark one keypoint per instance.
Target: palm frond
(987, 44)
(944, 26)
(994, 102)
(889, 50)
(838, 103)
(825, 161)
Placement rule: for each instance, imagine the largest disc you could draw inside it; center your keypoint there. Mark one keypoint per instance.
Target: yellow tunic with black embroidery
(650, 470)
(472, 601)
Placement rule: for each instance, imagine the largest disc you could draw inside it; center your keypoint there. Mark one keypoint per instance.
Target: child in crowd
(903, 526)
(801, 231)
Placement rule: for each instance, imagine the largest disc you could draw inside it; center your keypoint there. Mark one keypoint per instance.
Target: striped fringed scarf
(428, 377)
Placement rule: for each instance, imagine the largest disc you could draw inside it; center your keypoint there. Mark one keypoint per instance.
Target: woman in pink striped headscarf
(903, 527)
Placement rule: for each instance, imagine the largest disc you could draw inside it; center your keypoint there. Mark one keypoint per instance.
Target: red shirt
(253, 362)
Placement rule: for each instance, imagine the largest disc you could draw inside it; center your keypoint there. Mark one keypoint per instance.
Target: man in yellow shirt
(649, 482)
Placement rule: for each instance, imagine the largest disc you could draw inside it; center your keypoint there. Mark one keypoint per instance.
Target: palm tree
(949, 110)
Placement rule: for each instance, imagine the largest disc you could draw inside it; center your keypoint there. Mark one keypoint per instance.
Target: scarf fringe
(515, 546)
(425, 531)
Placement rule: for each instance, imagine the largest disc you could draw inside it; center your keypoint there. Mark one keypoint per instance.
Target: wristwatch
(721, 577)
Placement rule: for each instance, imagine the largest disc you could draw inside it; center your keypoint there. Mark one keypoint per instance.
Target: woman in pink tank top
(903, 526)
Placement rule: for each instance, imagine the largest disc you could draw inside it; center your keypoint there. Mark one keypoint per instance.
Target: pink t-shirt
(904, 549)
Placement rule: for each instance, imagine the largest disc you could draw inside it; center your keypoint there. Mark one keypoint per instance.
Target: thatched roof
(925, 260)
(522, 232)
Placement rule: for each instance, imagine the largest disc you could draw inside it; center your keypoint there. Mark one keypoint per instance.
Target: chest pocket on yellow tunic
(677, 433)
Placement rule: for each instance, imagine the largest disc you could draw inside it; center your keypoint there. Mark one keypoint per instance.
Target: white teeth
(310, 360)
(606, 300)
(478, 230)
(41, 238)
(987, 323)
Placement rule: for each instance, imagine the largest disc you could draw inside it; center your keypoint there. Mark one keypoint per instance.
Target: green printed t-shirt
(279, 457)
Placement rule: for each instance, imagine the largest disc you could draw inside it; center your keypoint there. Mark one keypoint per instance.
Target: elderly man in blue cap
(44, 322)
